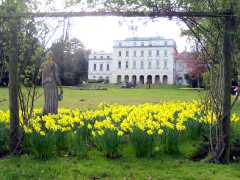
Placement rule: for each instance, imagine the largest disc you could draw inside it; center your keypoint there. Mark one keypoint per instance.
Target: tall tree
(12, 27)
(72, 59)
(22, 53)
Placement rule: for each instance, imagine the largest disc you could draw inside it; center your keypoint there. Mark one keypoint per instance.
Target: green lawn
(75, 98)
(128, 167)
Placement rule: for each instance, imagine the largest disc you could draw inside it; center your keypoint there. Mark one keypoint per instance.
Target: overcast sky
(98, 33)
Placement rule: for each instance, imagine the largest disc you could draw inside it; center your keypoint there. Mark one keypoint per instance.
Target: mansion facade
(151, 60)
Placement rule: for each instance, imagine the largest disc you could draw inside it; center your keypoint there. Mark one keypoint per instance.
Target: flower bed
(109, 127)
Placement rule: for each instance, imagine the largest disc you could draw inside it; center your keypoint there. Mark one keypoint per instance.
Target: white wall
(99, 59)
(181, 71)
(138, 45)
(124, 46)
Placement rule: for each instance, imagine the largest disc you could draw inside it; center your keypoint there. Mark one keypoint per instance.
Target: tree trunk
(15, 139)
(227, 79)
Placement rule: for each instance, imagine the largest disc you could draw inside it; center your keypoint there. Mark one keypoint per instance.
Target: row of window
(101, 77)
(134, 65)
(101, 57)
(180, 67)
(143, 44)
(141, 79)
(101, 67)
(150, 53)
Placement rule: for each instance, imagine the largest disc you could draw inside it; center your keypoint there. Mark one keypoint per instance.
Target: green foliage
(63, 140)
(18, 56)
(195, 130)
(72, 59)
(4, 138)
(142, 143)
(170, 141)
(41, 146)
(206, 80)
(110, 143)
(79, 144)
(75, 143)
(235, 133)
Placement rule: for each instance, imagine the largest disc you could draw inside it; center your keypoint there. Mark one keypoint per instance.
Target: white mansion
(140, 60)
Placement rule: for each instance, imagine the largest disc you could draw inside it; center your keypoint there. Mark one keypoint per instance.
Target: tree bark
(15, 139)
(227, 83)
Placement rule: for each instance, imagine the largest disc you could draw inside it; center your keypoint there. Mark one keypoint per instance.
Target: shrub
(143, 143)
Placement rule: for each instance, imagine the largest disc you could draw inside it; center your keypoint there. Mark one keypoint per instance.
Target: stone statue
(51, 85)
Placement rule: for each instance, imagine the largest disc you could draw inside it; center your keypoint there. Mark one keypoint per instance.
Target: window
(119, 79)
(165, 64)
(142, 43)
(142, 65)
(95, 67)
(158, 53)
(158, 64)
(127, 53)
(101, 57)
(101, 67)
(165, 43)
(119, 53)
(149, 53)
(165, 53)
(126, 64)
(120, 44)
(108, 57)
(149, 65)
(135, 53)
(108, 68)
(95, 57)
(181, 67)
(142, 53)
(134, 64)
(119, 65)
(135, 44)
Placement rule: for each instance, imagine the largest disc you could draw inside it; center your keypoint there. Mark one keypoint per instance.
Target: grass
(74, 98)
(83, 99)
(128, 167)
